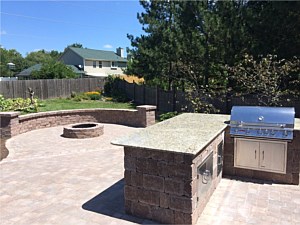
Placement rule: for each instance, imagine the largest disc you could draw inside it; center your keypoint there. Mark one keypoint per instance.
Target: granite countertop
(187, 133)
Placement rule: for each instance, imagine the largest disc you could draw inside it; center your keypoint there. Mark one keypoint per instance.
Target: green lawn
(63, 104)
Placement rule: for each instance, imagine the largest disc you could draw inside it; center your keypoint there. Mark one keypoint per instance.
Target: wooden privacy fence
(50, 88)
(175, 100)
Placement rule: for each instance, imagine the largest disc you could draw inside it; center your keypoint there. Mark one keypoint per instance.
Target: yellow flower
(92, 93)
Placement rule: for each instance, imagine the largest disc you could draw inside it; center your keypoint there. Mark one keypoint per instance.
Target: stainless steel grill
(262, 122)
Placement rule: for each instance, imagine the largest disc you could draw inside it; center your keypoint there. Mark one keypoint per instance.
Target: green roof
(28, 71)
(75, 69)
(87, 53)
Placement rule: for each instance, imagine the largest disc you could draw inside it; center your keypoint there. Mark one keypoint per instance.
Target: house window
(100, 64)
(113, 65)
(94, 64)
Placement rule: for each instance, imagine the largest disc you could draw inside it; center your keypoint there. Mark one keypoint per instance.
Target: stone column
(9, 123)
(146, 115)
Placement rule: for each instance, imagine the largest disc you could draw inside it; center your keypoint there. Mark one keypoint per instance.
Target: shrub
(111, 85)
(73, 94)
(78, 97)
(18, 104)
(268, 78)
(111, 89)
(4, 104)
(167, 115)
(93, 95)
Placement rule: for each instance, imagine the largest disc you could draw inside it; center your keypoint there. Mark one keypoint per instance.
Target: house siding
(70, 57)
(106, 67)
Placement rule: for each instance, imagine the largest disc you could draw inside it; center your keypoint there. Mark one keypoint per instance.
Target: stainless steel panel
(220, 157)
(205, 174)
(262, 133)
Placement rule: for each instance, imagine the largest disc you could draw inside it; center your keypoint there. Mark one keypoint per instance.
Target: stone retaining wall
(12, 123)
(163, 186)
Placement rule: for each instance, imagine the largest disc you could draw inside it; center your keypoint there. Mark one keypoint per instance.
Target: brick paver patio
(48, 179)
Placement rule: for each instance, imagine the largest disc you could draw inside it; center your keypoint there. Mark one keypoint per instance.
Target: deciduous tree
(10, 56)
(53, 70)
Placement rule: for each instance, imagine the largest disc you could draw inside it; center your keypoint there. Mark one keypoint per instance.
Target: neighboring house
(26, 74)
(97, 63)
(8, 78)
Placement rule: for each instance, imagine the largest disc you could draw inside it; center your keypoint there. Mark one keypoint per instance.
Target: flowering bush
(93, 95)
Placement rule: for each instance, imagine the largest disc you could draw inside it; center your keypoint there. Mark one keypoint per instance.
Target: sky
(53, 25)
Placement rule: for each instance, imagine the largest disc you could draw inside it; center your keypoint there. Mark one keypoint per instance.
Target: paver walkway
(48, 179)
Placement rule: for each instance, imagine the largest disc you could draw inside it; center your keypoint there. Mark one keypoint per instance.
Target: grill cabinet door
(273, 156)
(261, 155)
(246, 153)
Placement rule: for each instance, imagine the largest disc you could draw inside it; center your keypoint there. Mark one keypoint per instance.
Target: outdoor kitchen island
(173, 167)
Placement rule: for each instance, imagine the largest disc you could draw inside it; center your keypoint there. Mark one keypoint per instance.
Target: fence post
(174, 100)
(133, 91)
(124, 87)
(228, 101)
(157, 98)
(144, 94)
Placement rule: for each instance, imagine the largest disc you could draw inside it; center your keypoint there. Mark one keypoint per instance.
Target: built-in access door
(272, 156)
(262, 155)
(205, 175)
(246, 153)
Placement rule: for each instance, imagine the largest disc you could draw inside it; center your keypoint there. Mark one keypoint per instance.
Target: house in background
(26, 74)
(95, 63)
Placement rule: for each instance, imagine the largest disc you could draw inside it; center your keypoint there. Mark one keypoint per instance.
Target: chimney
(129, 56)
(120, 52)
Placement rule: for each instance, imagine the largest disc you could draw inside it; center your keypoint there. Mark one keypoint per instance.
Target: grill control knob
(285, 133)
(272, 132)
(261, 118)
(259, 131)
(266, 131)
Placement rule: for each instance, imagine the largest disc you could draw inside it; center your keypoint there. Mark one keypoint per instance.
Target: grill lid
(257, 121)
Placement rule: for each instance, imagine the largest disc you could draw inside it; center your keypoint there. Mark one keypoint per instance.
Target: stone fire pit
(83, 130)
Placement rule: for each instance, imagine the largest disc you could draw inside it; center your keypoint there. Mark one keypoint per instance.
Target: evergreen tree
(274, 27)
(190, 43)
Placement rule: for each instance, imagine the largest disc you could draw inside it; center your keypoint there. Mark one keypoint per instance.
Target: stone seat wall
(12, 123)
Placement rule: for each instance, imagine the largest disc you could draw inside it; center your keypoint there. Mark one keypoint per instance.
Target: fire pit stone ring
(83, 130)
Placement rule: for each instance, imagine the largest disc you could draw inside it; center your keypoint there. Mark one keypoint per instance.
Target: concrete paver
(252, 202)
(48, 179)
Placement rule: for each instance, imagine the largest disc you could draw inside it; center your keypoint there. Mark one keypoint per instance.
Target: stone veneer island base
(173, 167)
